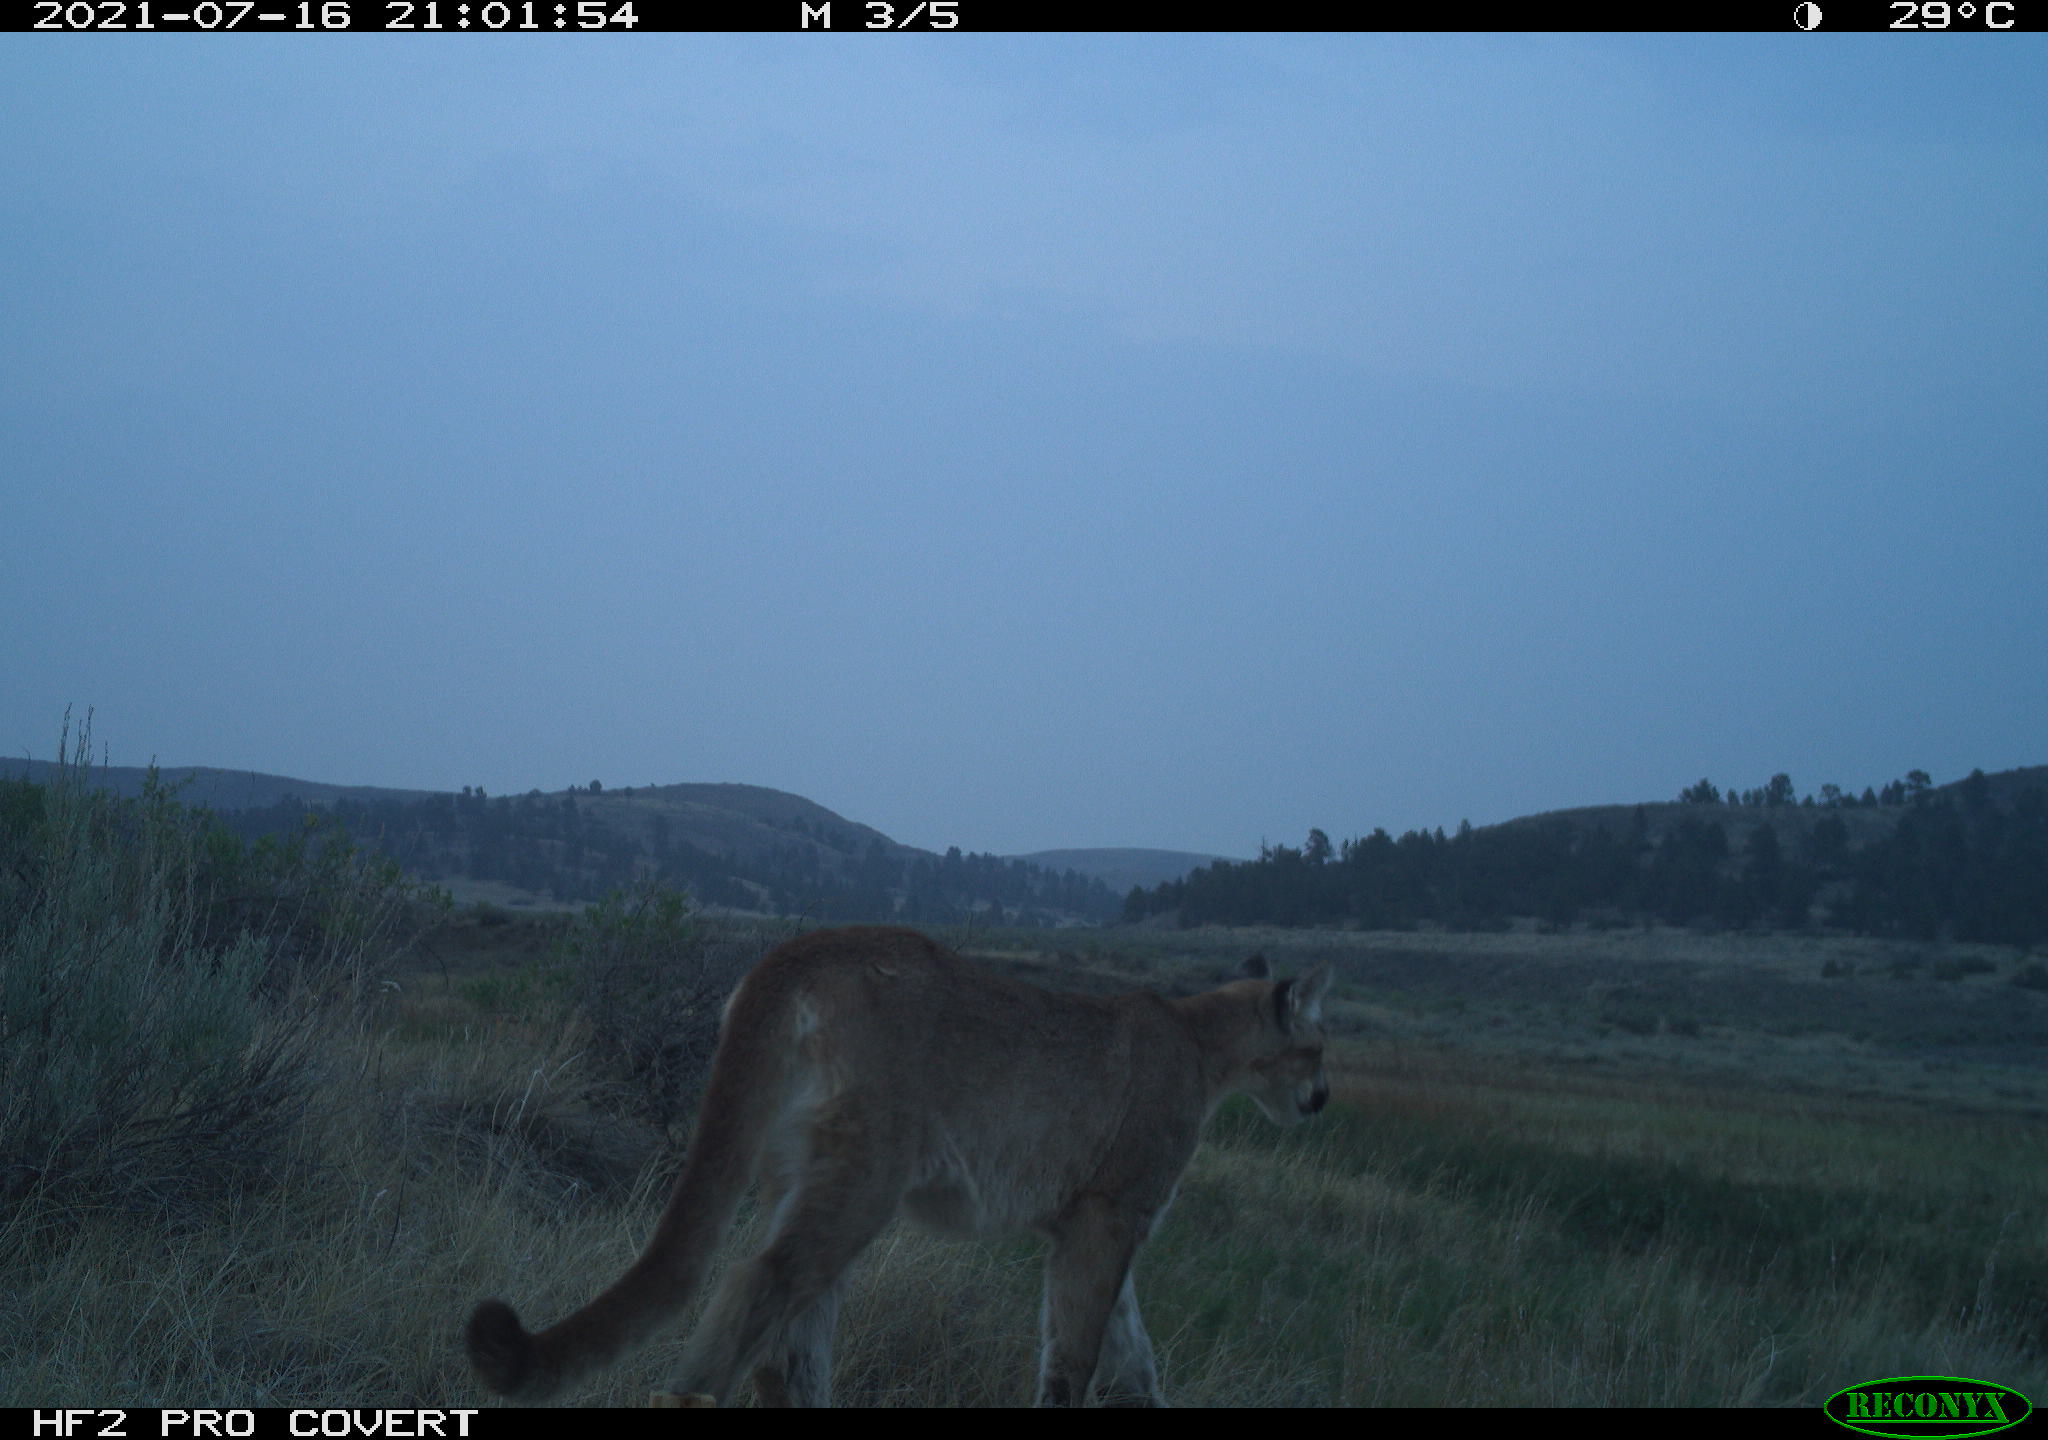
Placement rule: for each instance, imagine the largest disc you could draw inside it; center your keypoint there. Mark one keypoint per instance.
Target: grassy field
(1621, 1168)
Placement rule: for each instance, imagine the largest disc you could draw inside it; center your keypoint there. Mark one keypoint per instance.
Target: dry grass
(1523, 1213)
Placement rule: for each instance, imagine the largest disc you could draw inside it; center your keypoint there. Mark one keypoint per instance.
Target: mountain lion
(867, 1070)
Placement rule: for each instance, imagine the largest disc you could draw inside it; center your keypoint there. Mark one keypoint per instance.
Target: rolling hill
(744, 848)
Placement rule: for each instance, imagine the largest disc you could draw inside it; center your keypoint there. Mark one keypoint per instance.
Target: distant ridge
(740, 845)
(215, 789)
(1864, 823)
(1122, 867)
(744, 817)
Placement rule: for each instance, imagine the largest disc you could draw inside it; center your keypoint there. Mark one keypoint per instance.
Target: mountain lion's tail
(749, 1080)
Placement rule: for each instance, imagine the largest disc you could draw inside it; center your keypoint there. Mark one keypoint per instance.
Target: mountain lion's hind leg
(779, 1304)
(801, 1374)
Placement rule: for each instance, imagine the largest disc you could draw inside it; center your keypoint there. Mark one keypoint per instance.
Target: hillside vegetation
(1969, 860)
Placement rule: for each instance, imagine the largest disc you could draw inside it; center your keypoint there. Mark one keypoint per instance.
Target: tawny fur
(868, 1070)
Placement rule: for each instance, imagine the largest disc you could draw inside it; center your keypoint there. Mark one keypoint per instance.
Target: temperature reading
(1940, 15)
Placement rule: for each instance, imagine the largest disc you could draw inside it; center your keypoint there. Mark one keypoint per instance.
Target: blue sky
(1032, 441)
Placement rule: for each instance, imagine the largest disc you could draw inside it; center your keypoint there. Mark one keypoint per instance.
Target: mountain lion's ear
(1258, 968)
(1300, 1002)
(1309, 993)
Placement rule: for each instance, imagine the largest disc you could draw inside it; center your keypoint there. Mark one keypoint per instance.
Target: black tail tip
(499, 1347)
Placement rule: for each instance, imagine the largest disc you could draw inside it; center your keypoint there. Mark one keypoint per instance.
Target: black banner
(428, 17)
(271, 1423)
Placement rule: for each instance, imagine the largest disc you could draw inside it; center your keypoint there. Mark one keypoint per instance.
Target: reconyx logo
(1912, 1406)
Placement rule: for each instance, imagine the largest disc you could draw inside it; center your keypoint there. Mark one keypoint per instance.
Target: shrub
(158, 988)
(652, 979)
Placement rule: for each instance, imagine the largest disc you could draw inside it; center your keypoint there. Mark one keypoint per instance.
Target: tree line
(1956, 863)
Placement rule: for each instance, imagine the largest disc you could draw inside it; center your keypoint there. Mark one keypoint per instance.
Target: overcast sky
(1031, 441)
